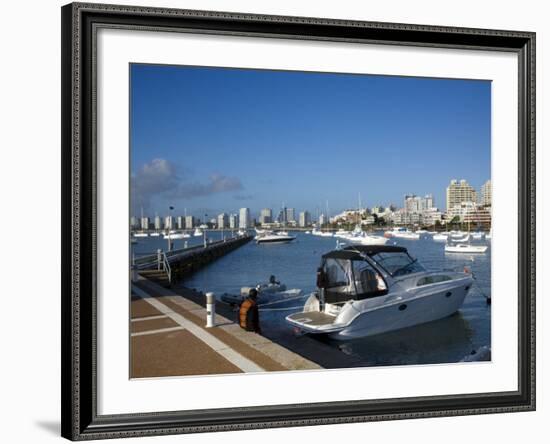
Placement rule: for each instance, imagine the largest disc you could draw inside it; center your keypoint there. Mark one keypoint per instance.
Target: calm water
(295, 264)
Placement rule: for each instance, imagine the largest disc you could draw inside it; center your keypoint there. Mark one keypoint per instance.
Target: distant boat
(465, 248)
(359, 237)
(440, 237)
(317, 232)
(197, 232)
(175, 235)
(274, 238)
(154, 234)
(402, 233)
(141, 234)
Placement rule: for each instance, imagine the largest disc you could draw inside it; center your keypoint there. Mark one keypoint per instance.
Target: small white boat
(465, 248)
(317, 232)
(197, 232)
(368, 290)
(478, 235)
(267, 292)
(342, 233)
(273, 238)
(141, 234)
(359, 237)
(367, 239)
(241, 233)
(154, 234)
(402, 233)
(308, 232)
(175, 235)
(440, 237)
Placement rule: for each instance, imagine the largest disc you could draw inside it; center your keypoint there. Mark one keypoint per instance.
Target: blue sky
(217, 139)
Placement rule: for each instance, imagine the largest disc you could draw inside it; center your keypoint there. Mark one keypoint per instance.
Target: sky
(212, 140)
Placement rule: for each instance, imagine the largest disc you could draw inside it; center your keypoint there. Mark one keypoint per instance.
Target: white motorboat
(317, 232)
(440, 237)
(241, 233)
(274, 238)
(465, 248)
(268, 292)
(342, 233)
(307, 232)
(402, 233)
(367, 239)
(175, 235)
(141, 234)
(197, 232)
(359, 237)
(478, 235)
(154, 234)
(367, 290)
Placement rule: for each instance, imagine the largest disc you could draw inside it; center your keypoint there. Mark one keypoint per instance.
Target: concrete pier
(169, 338)
(167, 267)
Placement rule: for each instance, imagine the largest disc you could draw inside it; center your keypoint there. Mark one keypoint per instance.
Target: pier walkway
(166, 267)
(169, 338)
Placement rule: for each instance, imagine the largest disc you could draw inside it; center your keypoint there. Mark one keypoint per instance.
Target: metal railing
(166, 266)
(150, 259)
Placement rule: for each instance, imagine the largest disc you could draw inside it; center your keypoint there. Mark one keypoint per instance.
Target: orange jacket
(249, 318)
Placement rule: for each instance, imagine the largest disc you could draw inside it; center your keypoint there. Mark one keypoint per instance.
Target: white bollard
(159, 258)
(210, 310)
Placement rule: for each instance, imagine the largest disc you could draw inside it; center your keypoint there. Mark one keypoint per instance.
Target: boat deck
(312, 318)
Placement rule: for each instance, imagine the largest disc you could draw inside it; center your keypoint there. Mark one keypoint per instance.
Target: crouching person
(249, 317)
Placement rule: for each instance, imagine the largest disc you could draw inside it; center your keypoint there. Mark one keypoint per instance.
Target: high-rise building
(290, 215)
(134, 222)
(266, 216)
(281, 218)
(305, 219)
(412, 204)
(459, 192)
(158, 223)
(322, 219)
(180, 222)
(244, 218)
(169, 222)
(223, 221)
(144, 223)
(233, 221)
(486, 193)
(189, 222)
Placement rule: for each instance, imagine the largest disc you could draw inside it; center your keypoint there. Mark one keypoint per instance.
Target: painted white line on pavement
(245, 364)
(160, 330)
(148, 318)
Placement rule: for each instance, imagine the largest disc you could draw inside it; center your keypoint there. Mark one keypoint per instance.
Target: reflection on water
(295, 264)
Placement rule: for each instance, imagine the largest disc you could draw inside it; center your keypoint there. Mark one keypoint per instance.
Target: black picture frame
(79, 208)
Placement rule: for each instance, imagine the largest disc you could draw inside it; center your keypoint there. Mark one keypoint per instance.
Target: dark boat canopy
(354, 252)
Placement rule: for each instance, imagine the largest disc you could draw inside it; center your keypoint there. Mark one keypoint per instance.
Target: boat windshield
(397, 264)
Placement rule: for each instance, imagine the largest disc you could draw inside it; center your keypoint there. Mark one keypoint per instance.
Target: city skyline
(215, 140)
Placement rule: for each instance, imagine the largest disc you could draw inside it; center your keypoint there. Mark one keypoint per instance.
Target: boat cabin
(360, 272)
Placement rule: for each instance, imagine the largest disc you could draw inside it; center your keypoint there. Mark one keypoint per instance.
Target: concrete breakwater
(168, 267)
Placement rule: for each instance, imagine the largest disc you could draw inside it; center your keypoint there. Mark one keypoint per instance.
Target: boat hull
(425, 305)
(393, 317)
(273, 240)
